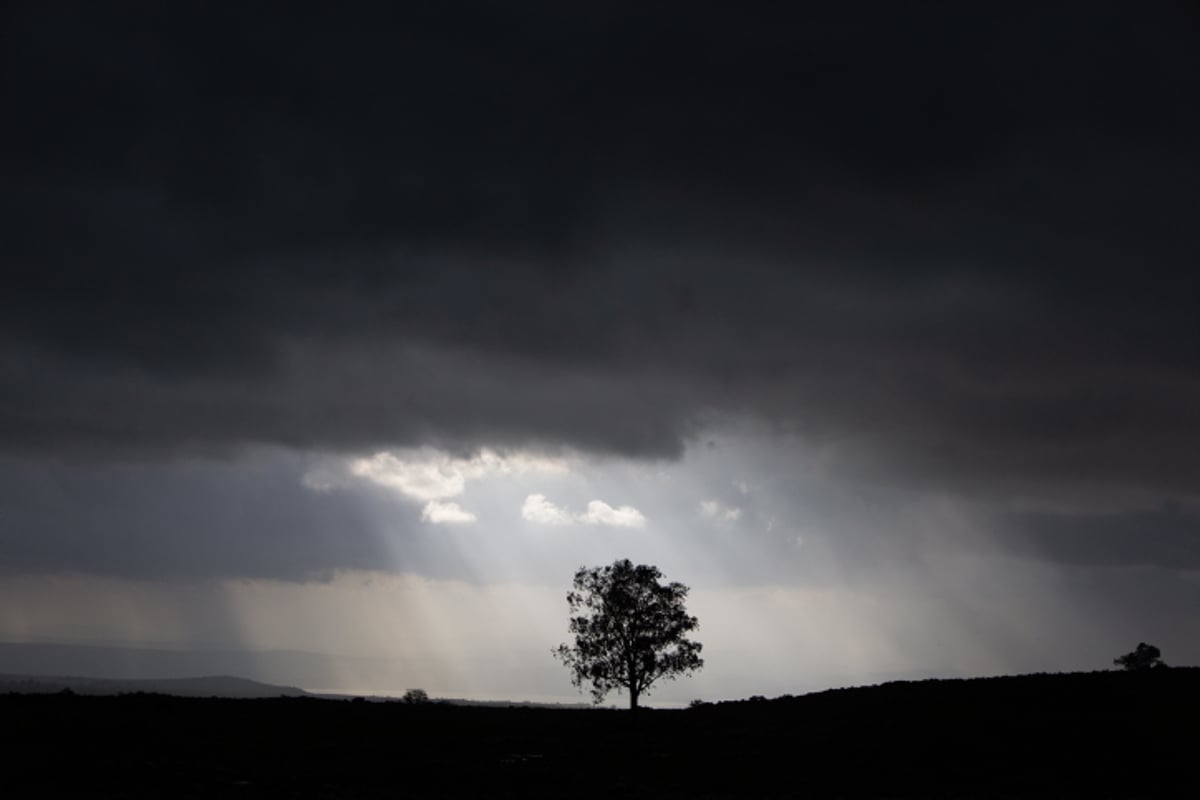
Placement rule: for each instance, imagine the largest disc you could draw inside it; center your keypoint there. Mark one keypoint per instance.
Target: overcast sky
(339, 339)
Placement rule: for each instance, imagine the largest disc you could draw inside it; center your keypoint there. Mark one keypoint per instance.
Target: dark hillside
(1084, 735)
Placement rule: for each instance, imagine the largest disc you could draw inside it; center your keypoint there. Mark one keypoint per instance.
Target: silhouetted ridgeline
(1105, 734)
(213, 686)
(1075, 693)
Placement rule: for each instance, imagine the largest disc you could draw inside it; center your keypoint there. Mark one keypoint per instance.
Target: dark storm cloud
(961, 241)
(187, 520)
(1167, 537)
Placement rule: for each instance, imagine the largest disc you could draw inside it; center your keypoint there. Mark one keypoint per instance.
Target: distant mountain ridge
(207, 686)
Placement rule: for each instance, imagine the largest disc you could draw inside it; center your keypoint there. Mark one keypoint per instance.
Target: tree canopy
(1144, 656)
(630, 630)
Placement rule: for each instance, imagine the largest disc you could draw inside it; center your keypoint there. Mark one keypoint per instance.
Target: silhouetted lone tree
(1144, 656)
(630, 630)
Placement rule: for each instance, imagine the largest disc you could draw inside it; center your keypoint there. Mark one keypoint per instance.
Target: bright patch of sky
(454, 570)
(374, 632)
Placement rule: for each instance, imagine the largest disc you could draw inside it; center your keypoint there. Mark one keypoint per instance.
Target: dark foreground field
(1087, 735)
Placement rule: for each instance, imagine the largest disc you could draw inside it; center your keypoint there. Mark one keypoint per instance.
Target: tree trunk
(633, 698)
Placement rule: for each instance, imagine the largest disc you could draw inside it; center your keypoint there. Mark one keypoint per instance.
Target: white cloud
(601, 513)
(431, 477)
(537, 508)
(742, 487)
(489, 462)
(438, 512)
(714, 510)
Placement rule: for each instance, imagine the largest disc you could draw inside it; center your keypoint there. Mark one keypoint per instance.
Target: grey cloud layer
(960, 244)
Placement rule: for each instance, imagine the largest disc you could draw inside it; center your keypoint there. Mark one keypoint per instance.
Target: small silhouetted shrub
(1144, 656)
(415, 697)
